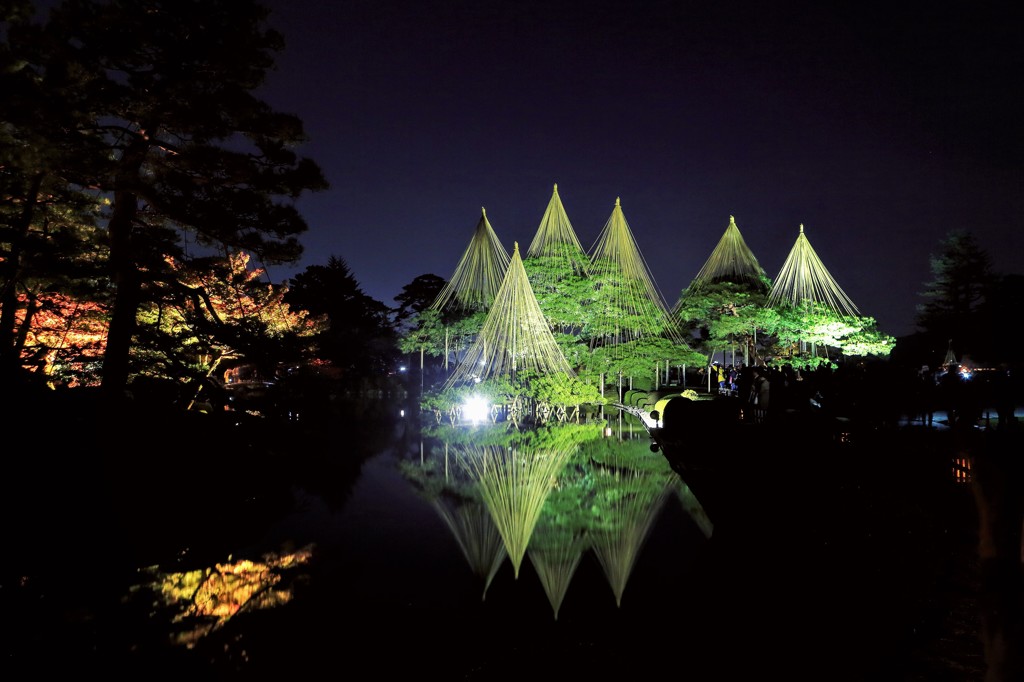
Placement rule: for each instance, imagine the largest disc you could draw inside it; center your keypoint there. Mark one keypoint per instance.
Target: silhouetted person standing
(759, 394)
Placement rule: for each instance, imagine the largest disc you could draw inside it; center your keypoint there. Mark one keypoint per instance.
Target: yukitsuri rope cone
(556, 238)
(630, 305)
(479, 273)
(557, 267)
(804, 279)
(515, 336)
(730, 261)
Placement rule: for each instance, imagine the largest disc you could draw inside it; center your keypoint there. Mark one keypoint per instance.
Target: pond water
(488, 552)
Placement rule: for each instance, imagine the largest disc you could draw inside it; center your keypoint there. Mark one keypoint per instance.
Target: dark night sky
(878, 126)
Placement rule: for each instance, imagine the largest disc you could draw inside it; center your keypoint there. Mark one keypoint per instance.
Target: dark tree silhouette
(417, 296)
(955, 300)
(359, 338)
(186, 152)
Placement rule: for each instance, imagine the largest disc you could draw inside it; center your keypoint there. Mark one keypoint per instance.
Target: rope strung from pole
(515, 336)
(804, 279)
(479, 272)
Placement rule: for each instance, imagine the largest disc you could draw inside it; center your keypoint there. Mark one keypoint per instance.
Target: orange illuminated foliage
(205, 599)
(242, 295)
(64, 338)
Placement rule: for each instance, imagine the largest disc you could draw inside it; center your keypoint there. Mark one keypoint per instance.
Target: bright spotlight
(475, 410)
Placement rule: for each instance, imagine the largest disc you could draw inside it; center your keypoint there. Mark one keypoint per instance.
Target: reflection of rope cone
(694, 508)
(478, 539)
(640, 496)
(514, 485)
(555, 568)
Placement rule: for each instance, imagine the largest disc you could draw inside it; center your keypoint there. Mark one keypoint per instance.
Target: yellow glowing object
(514, 336)
(635, 307)
(477, 277)
(514, 485)
(208, 598)
(732, 260)
(804, 278)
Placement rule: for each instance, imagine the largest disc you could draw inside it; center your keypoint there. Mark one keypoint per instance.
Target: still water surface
(470, 552)
(394, 548)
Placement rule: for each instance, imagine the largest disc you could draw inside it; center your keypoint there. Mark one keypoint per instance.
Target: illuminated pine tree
(557, 267)
(731, 261)
(815, 312)
(556, 237)
(630, 491)
(725, 302)
(464, 300)
(514, 337)
(626, 311)
(479, 273)
(804, 281)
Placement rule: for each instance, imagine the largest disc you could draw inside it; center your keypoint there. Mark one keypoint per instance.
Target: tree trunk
(123, 271)
(10, 351)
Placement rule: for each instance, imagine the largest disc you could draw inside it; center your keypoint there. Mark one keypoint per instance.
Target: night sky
(878, 126)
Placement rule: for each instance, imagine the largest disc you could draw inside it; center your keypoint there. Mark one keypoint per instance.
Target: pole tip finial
(556, 187)
(617, 202)
(515, 247)
(483, 211)
(801, 228)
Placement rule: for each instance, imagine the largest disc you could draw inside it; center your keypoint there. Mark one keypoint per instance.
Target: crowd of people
(876, 392)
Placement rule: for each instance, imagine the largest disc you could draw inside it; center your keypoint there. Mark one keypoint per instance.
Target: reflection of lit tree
(553, 493)
(515, 480)
(630, 490)
(205, 599)
(457, 501)
(693, 507)
(560, 537)
(478, 537)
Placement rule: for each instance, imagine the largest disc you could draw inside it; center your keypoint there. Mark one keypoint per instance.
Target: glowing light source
(475, 410)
